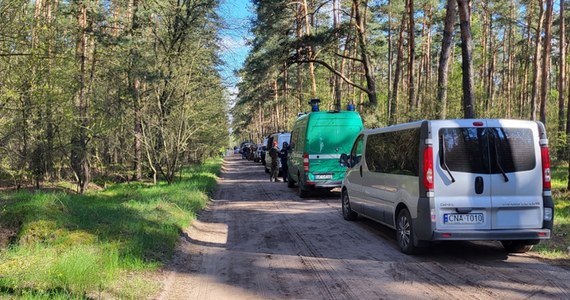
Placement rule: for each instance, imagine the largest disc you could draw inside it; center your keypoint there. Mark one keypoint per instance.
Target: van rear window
(487, 150)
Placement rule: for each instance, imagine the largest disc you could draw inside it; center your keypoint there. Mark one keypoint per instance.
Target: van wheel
(516, 246)
(405, 232)
(347, 212)
(301, 191)
(290, 182)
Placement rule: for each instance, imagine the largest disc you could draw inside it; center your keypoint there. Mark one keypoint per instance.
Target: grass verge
(557, 248)
(77, 246)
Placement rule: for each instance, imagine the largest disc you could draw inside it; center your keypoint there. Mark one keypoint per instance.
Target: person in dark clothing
(283, 156)
(274, 154)
(245, 152)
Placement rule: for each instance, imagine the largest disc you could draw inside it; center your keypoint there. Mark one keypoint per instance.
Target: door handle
(479, 185)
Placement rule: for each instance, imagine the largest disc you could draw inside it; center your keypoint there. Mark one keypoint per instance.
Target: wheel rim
(404, 231)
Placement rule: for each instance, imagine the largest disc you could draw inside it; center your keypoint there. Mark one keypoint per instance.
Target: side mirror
(344, 160)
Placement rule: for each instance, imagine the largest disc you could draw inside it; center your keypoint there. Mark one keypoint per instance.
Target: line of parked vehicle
(439, 180)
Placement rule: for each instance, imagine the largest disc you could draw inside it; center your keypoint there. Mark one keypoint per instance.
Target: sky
(236, 15)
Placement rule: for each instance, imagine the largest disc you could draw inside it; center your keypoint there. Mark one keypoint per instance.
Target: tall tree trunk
(346, 51)
(484, 38)
(561, 83)
(310, 52)
(424, 65)
(299, 81)
(545, 84)
(364, 56)
(411, 57)
(510, 51)
(568, 139)
(536, 69)
(467, 58)
(389, 100)
(276, 100)
(135, 86)
(337, 79)
(394, 103)
(442, 71)
(524, 94)
(490, 99)
(79, 140)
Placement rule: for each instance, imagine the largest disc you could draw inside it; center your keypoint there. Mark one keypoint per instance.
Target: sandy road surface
(258, 240)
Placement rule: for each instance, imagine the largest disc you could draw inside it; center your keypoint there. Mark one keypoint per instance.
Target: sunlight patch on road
(209, 233)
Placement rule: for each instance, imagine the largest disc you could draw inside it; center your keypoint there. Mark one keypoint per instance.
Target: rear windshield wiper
(497, 158)
(445, 161)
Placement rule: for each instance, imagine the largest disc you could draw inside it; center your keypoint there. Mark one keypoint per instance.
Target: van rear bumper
(497, 234)
(324, 184)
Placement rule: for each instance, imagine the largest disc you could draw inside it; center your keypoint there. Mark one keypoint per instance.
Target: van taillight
(428, 168)
(306, 162)
(545, 167)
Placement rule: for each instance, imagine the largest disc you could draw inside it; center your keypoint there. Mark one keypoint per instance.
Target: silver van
(445, 180)
(279, 137)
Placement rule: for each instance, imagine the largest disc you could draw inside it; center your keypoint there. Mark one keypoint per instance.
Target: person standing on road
(274, 154)
(283, 155)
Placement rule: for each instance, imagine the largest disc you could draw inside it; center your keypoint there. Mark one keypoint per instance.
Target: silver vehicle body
(486, 179)
(280, 137)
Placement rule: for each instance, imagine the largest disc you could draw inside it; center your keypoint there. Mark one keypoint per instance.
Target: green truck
(317, 140)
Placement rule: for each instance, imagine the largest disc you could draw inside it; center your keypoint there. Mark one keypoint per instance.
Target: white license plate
(327, 176)
(463, 219)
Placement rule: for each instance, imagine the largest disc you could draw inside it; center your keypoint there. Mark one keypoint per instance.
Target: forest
(406, 60)
(128, 90)
(108, 90)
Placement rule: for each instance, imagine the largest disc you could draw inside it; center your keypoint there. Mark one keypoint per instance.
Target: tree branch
(350, 58)
(337, 73)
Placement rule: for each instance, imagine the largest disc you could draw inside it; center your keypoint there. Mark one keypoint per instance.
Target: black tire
(301, 190)
(405, 232)
(517, 246)
(290, 182)
(347, 212)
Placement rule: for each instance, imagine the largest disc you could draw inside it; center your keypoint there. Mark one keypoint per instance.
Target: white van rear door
(462, 183)
(516, 196)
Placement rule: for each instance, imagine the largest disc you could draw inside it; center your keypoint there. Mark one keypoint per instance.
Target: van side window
(356, 153)
(394, 152)
(487, 150)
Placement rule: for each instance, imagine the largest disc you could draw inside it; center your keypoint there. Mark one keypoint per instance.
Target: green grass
(77, 246)
(556, 247)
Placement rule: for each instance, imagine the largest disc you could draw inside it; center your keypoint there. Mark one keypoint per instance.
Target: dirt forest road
(259, 240)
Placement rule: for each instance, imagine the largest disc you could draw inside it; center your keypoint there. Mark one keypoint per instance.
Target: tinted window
(487, 150)
(356, 153)
(394, 152)
(464, 149)
(513, 148)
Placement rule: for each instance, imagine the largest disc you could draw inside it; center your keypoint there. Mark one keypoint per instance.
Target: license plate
(327, 176)
(463, 219)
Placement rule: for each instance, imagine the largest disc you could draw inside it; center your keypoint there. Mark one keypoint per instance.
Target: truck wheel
(347, 212)
(290, 182)
(517, 246)
(301, 191)
(405, 232)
